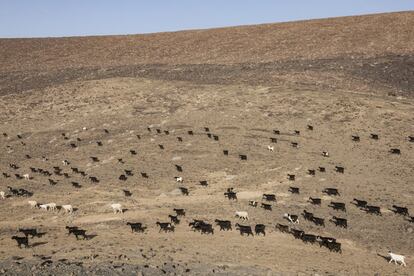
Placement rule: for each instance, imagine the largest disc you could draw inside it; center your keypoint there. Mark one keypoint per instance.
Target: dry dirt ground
(244, 117)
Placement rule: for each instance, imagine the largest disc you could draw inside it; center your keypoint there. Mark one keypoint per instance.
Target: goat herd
(201, 226)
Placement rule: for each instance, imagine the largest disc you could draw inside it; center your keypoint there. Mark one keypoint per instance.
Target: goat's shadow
(40, 234)
(90, 237)
(35, 244)
(387, 258)
(124, 210)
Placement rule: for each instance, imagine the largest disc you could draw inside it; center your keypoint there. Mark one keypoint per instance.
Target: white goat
(65, 162)
(2, 195)
(242, 214)
(179, 179)
(271, 148)
(116, 207)
(325, 153)
(26, 176)
(32, 203)
(68, 208)
(43, 206)
(396, 258)
(49, 206)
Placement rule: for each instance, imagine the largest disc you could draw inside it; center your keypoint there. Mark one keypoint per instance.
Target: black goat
(161, 146)
(297, 234)
(244, 229)
(129, 172)
(273, 140)
(340, 222)
(355, 138)
(79, 233)
(184, 191)
(174, 219)
(76, 184)
(21, 241)
(180, 139)
(122, 177)
(204, 183)
(231, 195)
(374, 136)
(178, 168)
(166, 132)
(311, 172)
(269, 197)
(127, 193)
(260, 229)
(190, 132)
(294, 144)
(400, 210)
(294, 190)
(206, 228)
(225, 152)
(322, 169)
(310, 127)
(339, 169)
(99, 143)
(307, 215)
(291, 177)
(243, 157)
(6, 175)
(179, 212)
(225, 225)
(144, 175)
(216, 138)
(93, 179)
(318, 221)
(133, 152)
(337, 206)
(331, 191)
(411, 138)
(166, 226)
(308, 238)
(276, 131)
(266, 206)
(94, 159)
(282, 228)
(136, 227)
(315, 201)
(359, 203)
(297, 132)
(395, 151)
(373, 210)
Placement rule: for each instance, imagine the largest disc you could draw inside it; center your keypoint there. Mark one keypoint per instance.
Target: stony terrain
(344, 76)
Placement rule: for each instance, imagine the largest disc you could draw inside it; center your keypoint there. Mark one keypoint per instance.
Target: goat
(276, 131)
(253, 203)
(136, 227)
(161, 146)
(133, 152)
(243, 157)
(269, 197)
(29, 231)
(144, 175)
(400, 210)
(310, 127)
(32, 203)
(325, 154)
(359, 203)
(242, 215)
(76, 184)
(184, 191)
(308, 238)
(355, 138)
(216, 138)
(337, 206)
(318, 221)
(291, 218)
(294, 144)
(282, 228)
(411, 138)
(6, 175)
(340, 222)
(2, 195)
(94, 159)
(68, 208)
(231, 195)
(291, 177)
(52, 182)
(190, 132)
(395, 151)
(397, 258)
(307, 215)
(206, 228)
(204, 183)
(99, 143)
(260, 229)
(294, 190)
(244, 229)
(297, 234)
(311, 172)
(139, 137)
(266, 206)
(122, 177)
(273, 140)
(158, 130)
(129, 172)
(179, 179)
(166, 226)
(27, 176)
(71, 228)
(331, 191)
(225, 152)
(322, 169)
(373, 210)
(79, 232)
(21, 241)
(174, 219)
(179, 212)
(315, 201)
(270, 148)
(116, 207)
(339, 169)
(297, 132)
(180, 139)
(225, 225)
(374, 136)
(329, 243)
(127, 193)
(94, 179)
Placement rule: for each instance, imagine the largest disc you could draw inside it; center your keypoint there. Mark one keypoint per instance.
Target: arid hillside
(291, 118)
(364, 53)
